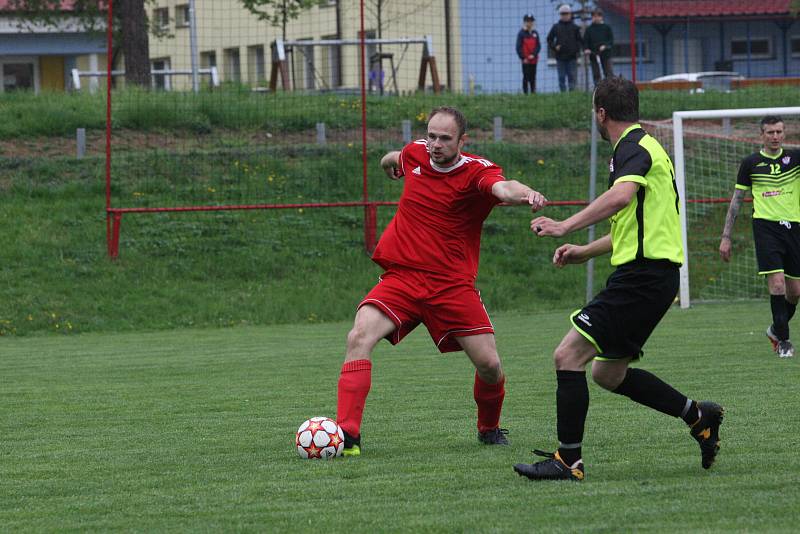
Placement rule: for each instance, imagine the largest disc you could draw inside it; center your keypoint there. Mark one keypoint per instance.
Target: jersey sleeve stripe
(631, 178)
(743, 187)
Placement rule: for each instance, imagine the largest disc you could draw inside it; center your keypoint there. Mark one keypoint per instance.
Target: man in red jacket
(429, 253)
(528, 47)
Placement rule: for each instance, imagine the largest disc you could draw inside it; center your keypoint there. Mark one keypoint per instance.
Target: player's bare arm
(514, 192)
(730, 219)
(390, 163)
(571, 254)
(602, 208)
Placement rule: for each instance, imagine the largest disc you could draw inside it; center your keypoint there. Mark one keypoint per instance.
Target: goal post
(707, 147)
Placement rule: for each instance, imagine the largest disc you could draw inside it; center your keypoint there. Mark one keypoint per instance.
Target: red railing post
(109, 68)
(113, 246)
(632, 16)
(370, 226)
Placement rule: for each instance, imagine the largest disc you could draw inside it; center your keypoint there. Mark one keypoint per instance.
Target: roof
(66, 5)
(681, 9)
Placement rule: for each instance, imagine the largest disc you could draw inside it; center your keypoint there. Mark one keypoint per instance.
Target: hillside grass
(232, 268)
(56, 114)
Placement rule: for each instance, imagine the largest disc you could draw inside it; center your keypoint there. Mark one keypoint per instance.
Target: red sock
(489, 398)
(354, 383)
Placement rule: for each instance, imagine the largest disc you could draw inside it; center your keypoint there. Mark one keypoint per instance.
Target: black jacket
(568, 35)
(596, 35)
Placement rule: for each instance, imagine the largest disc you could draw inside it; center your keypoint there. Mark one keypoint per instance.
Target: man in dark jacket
(598, 41)
(565, 39)
(528, 47)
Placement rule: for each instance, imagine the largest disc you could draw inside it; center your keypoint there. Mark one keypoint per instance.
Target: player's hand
(547, 227)
(601, 48)
(725, 249)
(536, 200)
(567, 254)
(392, 172)
(587, 51)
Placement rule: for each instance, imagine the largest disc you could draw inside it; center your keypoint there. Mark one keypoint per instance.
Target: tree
(278, 12)
(130, 27)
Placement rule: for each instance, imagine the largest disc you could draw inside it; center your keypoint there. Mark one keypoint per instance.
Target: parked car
(717, 80)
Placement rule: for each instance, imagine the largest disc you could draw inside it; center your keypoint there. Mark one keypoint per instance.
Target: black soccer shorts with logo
(622, 316)
(777, 247)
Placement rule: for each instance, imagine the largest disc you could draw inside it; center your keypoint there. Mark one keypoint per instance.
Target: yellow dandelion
(212, 190)
(540, 161)
(300, 210)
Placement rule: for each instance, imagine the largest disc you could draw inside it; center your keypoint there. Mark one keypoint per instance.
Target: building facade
(40, 57)
(239, 45)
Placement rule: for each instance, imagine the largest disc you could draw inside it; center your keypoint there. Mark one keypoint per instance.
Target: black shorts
(777, 247)
(622, 316)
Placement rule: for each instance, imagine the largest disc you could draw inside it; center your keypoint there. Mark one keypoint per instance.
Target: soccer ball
(319, 437)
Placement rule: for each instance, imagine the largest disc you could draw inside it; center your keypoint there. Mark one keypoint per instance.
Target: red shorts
(448, 308)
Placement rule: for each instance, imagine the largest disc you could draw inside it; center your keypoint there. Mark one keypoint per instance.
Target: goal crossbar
(680, 168)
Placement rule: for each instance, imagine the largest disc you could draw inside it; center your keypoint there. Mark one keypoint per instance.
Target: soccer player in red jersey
(429, 252)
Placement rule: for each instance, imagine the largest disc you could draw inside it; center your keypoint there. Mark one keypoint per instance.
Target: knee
(777, 289)
(608, 377)
(605, 379)
(562, 358)
(490, 370)
(358, 338)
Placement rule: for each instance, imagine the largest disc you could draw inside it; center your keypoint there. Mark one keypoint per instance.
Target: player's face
(772, 136)
(444, 143)
(528, 25)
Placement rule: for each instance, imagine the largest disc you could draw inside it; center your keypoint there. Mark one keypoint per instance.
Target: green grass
(56, 114)
(192, 430)
(233, 268)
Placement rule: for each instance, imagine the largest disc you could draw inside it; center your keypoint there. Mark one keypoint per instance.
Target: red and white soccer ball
(318, 438)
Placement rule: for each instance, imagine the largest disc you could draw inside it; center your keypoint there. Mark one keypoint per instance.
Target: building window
(182, 18)
(795, 46)
(161, 18)
(256, 65)
(331, 71)
(18, 75)
(208, 59)
(233, 65)
(160, 79)
(760, 48)
(621, 52)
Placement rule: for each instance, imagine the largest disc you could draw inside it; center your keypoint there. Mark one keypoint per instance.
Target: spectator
(598, 43)
(566, 42)
(528, 47)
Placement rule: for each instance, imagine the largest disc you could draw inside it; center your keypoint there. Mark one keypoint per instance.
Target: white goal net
(707, 148)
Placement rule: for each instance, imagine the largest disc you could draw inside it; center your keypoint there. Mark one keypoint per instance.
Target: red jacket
(528, 44)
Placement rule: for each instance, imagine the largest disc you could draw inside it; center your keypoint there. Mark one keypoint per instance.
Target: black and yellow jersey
(649, 226)
(774, 185)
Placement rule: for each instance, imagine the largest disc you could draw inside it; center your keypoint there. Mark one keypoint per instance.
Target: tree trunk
(135, 41)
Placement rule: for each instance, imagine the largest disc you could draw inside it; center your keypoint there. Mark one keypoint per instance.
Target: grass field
(192, 430)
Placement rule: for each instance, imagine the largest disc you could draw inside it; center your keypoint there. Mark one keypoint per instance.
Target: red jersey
(438, 224)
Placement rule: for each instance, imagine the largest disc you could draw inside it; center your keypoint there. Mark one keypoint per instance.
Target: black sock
(646, 388)
(780, 319)
(791, 307)
(572, 404)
